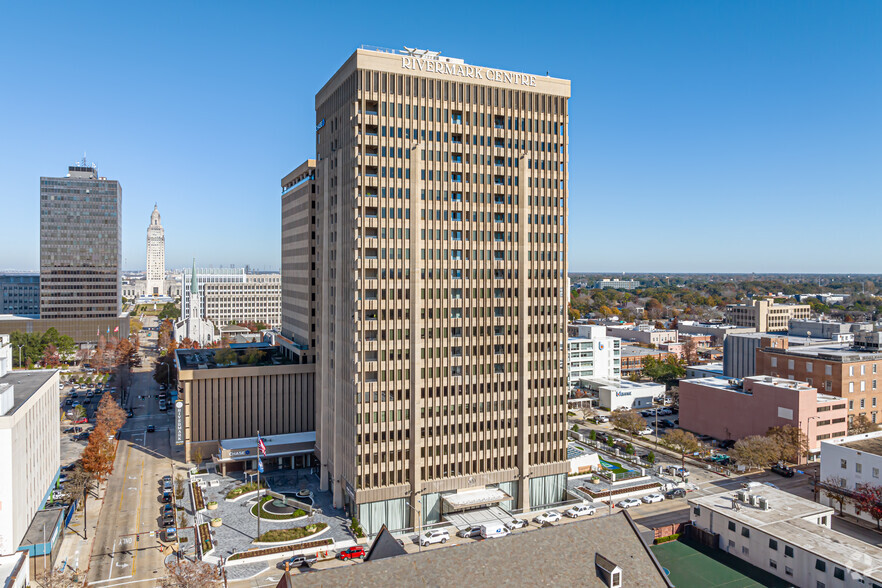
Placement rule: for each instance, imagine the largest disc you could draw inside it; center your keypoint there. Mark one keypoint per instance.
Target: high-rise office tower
(80, 245)
(441, 223)
(155, 255)
(298, 262)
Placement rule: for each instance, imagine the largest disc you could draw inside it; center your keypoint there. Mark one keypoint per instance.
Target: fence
(703, 537)
(673, 529)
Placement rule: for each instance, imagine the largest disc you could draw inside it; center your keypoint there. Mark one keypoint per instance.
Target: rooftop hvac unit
(752, 498)
(763, 503)
(741, 495)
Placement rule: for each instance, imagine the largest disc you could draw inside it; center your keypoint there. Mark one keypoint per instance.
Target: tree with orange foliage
(99, 453)
(110, 414)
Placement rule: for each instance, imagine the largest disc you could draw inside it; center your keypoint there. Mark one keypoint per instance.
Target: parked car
(300, 560)
(434, 536)
(58, 495)
(646, 431)
(601, 419)
(675, 493)
(151, 428)
(168, 520)
(665, 412)
(628, 503)
(130, 413)
(783, 470)
(351, 552)
(166, 496)
(667, 423)
(469, 532)
(552, 516)
(81, 421)
(652, 498)
(516, 524)
(171, 534)
(580, 510)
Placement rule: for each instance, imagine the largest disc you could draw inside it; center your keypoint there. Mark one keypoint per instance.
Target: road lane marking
(138, 521)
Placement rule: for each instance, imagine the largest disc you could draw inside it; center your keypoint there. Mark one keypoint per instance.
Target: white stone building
(849, 463)
(233, 295)
(155, 256)
(789, 537)
(592, 354)
(30, 448)
(623, 394)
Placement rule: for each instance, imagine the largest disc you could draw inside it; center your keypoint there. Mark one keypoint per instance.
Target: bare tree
(682, 442)
(191, 574)
(629, 421)
(755, 451)
(834, 487)
(53, 578)
(861, 424)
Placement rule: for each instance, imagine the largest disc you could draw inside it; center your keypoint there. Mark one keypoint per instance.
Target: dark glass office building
(80, 245)
(20, 294)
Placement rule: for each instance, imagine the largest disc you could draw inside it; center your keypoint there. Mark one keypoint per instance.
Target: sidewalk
(75, 551)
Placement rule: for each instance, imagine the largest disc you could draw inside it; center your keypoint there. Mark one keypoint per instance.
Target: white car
(628, 503)
(647, 431)
(515, 524)
(580, 510)
(665, 412)
(552, 516)
(434, 536)
(601, 419)
(650, 498)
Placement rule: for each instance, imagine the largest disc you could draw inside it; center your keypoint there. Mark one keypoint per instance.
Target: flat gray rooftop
(872, 445)
(26, 385)
(43, 519)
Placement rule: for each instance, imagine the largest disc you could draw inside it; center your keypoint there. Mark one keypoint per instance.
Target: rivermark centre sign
(467, 71)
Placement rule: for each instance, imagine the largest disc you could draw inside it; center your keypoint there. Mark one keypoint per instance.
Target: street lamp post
(19, 355)
(418, 526)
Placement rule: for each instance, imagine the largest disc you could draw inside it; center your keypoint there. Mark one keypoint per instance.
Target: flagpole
(258, 484)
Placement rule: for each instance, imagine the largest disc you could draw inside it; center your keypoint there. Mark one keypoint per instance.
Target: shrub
(667, 538)
(293, 534)
(272, 516)
(356, 528)
(240, 490)
(281, 549)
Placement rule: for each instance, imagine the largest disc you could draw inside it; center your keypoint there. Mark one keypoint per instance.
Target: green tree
(628, 421)
(592, 435)
(755, 451)
(650, 459)
(169, 311)
(225, 356)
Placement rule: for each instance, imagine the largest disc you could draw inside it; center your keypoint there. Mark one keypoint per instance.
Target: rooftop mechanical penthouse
(440, 271)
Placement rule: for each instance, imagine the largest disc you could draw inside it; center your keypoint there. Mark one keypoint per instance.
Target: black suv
(675, 493)
(783, 470)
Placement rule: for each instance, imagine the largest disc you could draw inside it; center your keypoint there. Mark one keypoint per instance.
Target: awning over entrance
(232, 450)
(473, 499)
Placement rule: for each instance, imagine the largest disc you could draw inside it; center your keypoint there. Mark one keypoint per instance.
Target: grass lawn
(695, 566)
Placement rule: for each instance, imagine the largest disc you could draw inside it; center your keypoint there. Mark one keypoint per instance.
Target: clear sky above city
(704, 136)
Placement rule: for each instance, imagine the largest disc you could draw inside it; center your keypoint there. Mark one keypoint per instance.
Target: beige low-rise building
(226, 396)
(765, 315)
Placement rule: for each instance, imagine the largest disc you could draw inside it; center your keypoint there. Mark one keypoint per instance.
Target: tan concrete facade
(765, 316)
(237, 401)
(850, 374)
(299, 261)
(441, 252)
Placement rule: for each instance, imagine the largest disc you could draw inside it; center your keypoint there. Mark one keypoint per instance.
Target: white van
(493, 530)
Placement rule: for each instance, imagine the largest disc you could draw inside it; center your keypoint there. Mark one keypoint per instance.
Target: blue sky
(704, 136)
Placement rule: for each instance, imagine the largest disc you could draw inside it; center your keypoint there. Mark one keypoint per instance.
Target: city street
(134, 495)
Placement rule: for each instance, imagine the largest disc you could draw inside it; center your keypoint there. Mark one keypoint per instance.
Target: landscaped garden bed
(618, 491)
(204, 538)
(270, 516)
(198, 499)
(292, 534)
(240, 491)
(281, 549)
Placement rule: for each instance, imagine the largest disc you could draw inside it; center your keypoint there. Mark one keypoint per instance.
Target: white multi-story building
(644, 334)
(155, 256)
(617, 284)
(230, 295)
(789, 537)
(30, 450)
(849, 463)
(591, 354)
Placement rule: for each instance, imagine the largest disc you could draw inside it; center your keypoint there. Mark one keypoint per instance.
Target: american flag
(261, 445)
